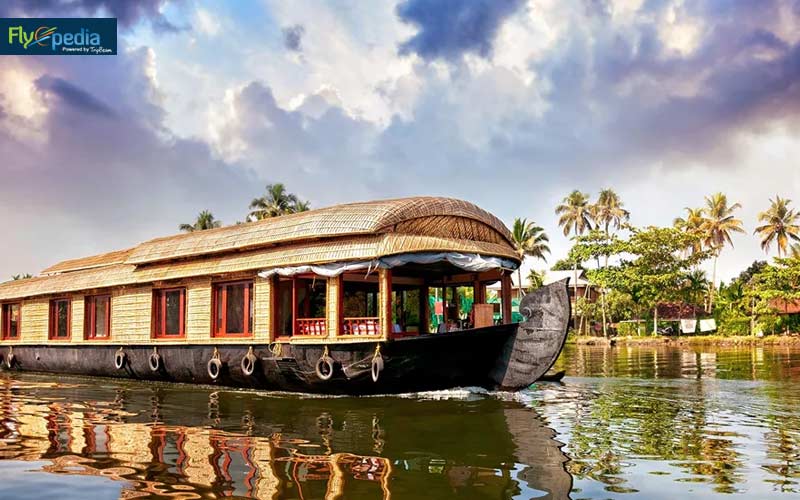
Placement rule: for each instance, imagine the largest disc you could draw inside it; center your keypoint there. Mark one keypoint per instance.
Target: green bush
(732, 322)
(630, 329)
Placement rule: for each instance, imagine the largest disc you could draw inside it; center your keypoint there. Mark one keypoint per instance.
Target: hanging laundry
(708, 325)
(688, 325)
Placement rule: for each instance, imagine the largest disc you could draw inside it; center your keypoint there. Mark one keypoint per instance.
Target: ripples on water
(635, 422)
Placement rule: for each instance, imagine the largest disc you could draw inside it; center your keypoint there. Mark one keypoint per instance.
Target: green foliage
(205, 220)
(631, 329)
(535, 280)
(575, 213)
(756, 267)
(653, 266)
(619, 306)
(732, 322)
(781, 225)
(780, 280)
(566, 265)
(276, 202)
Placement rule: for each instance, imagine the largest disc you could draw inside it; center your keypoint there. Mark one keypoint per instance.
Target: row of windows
(97, 316)
(232, 314)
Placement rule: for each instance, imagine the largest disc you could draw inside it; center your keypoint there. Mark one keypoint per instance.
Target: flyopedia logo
(74, 36)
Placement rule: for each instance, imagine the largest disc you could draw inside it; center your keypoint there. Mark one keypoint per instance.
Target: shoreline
(704, 340)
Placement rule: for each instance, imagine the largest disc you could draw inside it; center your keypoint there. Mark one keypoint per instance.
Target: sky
(510, 104)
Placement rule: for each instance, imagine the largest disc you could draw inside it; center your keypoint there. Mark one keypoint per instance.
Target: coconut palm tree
(780, 225)
(696, 286)
(205, 220)
(278, 201)
(302, 206)
(692, 224)
(608, 211)
(794, 251)
(575, 215)
(535, 280)
(717, 228)
(529, 240)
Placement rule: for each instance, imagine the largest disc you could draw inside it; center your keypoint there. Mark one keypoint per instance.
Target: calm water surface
(626, 423)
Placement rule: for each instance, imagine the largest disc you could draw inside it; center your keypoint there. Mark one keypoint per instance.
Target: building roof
(549, 276)
(102, 260)
(553, 276)
(783, 306)
(354, 231)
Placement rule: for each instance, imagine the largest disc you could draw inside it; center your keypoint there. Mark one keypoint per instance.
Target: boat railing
(312, 326)
(361, 326)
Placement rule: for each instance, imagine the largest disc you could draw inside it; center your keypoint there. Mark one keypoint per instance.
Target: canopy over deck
(344, 233)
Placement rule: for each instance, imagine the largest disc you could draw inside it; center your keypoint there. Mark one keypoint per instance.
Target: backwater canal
(627, 422)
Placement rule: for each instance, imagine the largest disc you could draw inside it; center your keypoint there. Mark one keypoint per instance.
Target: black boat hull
(510, 356)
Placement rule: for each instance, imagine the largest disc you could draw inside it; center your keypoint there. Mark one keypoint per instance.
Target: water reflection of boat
(335, 301)
(248, 446)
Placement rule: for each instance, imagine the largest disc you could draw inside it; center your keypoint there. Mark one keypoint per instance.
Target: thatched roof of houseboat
(102, 260)
(356, 231)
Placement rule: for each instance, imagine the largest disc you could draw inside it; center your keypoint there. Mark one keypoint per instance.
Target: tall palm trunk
(519, 282)
(603, 309)
(603, 290)
(713, 285)
(575, 295)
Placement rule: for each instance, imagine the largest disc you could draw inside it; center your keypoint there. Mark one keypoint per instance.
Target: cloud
(128, 13)
(665, 101)
(314, 149)
(449, 29)
(206, 23)
(100, 177)
(73, 96)
(293, 37)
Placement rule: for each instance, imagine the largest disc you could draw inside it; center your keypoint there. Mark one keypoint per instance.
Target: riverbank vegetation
(639, 270)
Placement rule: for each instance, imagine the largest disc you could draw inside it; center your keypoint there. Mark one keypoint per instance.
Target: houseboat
(332, 301)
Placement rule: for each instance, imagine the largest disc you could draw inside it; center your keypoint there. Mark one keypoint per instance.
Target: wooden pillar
(424, 310)
(478, 292)
(505, 296)
(333, 305)
(274, 313)
(385, 301)
(294, 306)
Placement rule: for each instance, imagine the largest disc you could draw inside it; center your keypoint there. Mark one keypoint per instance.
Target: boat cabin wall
(132, 309)
(383, 295)
(131, 318)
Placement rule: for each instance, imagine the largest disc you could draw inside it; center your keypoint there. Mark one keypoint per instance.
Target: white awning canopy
(467, 262)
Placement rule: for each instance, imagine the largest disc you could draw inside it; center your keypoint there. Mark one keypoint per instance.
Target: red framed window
(60, 319)
(9, 321)
(232, 308)
(97, 320)
(169, 313)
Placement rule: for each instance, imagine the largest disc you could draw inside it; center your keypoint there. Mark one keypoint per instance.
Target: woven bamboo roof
(340, 220)
(356, 231)
(106, 259)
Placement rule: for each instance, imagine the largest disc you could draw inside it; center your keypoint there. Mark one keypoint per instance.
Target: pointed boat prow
(532, 350)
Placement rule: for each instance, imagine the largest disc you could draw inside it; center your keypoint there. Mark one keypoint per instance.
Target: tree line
(653, 265)
(275, 202)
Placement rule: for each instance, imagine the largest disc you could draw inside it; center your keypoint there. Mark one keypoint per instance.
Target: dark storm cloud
(293, 37)
(127, 12)
(448, 29)
(100, 177)
(620, 97)
(73, 96)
